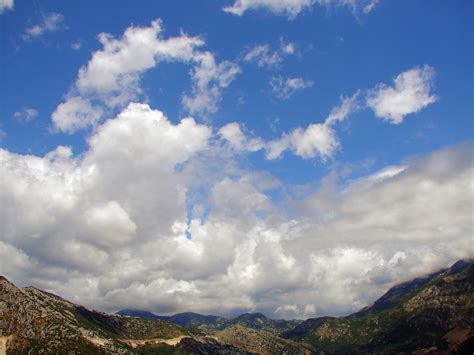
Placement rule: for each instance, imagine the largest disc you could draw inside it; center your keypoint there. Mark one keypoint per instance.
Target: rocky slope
(35, 321)
(431, 314)
(261, 342)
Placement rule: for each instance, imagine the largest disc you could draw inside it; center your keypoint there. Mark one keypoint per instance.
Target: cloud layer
(160, 216)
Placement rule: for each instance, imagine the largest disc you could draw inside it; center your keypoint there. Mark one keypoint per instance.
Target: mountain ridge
(431, 314)
(212, 323)
(436, 314)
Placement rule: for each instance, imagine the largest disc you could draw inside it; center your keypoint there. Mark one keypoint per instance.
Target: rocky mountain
(432, 314)
(35, 321)
(211, 324)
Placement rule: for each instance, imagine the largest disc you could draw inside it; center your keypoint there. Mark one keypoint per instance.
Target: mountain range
(432, 314)
(212, 324)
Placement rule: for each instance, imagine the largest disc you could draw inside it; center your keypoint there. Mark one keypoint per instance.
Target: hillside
(433, 313)
(35, 321)
(211, 324)
(260, 342)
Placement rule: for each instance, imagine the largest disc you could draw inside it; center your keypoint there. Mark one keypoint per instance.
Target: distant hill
(433, 313)
(187, 320)
(211, 324)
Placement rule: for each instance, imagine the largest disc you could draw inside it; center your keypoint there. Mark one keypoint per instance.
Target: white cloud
(262, 56)
(315, 140)
(51, 22)
(287, 48)
(348, 105)
(318, 139)
(6, 5)
(284, 88)
(233, 134)
(111, 78)
(208, 78)
(114, 71)
(365, 6)
(75, 113)
(76, 45)
(291, 8)
(411, 93)
(369, 6)
(26, 114)
(107, 228)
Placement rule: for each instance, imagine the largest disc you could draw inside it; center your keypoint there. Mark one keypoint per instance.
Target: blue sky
(397, 77)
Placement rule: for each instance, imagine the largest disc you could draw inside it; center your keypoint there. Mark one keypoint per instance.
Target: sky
(292, 157)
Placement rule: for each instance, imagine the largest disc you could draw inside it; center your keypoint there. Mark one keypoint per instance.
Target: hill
(434, 313)
(35, 321)
(211, 324)
(260, 342)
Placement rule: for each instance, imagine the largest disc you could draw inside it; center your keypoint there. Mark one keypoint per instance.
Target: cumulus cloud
(291, 8)
(6, 5)
(99, 228)
(111, 78)
(75, 113)
(411, 93)
(318, 139)
(138, 220)
(51, 22)
(26, 114)
(284, 88)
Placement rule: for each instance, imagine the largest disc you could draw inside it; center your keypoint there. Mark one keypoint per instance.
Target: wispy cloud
(51, 22)
(284, 88)
(26, 114)
(292, 8)
(267, 58)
